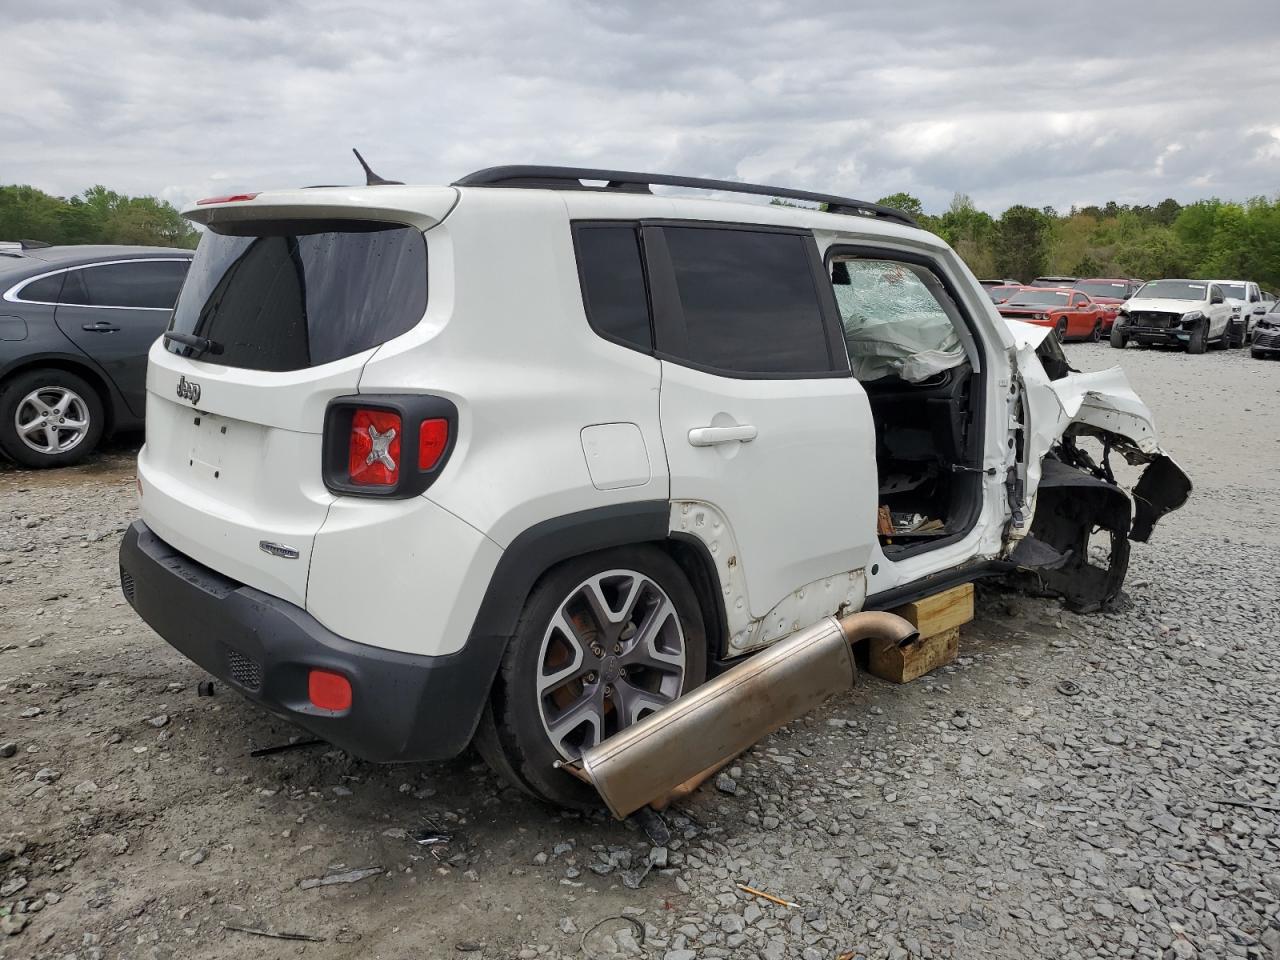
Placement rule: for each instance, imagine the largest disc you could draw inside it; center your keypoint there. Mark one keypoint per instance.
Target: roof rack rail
(570, 178)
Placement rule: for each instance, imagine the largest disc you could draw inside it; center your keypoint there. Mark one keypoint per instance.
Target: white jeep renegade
(521, 459)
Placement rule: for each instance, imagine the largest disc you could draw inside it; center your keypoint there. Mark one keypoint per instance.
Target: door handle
(710, 436)
(100, 327)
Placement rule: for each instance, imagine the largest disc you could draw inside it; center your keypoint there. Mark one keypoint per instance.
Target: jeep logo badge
(188, 390)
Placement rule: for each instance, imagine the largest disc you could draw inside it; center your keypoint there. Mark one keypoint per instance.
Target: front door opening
(904, 332)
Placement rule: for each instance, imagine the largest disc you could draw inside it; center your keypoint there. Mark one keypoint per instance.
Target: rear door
(760, 415)
(115, 310)
(294, 308)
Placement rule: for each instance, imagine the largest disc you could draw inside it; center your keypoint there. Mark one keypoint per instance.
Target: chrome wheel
(613, 653)
(52, 420)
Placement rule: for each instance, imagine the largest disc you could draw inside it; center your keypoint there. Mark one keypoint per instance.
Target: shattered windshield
(893, 321)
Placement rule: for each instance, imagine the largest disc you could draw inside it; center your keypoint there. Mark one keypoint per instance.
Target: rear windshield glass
(292, 294)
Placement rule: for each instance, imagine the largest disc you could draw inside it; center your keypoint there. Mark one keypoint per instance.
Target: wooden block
(903, 664)
(940, 612)
(938, 618)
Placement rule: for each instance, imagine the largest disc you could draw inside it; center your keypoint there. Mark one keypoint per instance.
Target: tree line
(1207, 239)
(97, 215)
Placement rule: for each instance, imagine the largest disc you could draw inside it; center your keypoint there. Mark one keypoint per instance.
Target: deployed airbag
(893, 324)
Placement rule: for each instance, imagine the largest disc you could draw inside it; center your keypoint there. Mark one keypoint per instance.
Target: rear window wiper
(202, 344)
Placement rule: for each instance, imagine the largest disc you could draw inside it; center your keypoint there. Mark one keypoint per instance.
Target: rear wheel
(603, 641)
(49, 418)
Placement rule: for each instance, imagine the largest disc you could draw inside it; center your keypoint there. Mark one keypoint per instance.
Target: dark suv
(75, 326)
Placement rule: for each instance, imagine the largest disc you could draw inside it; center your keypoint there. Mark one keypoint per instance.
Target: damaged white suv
(522, 458)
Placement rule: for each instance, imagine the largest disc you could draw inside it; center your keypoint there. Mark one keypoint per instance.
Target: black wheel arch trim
(553, 541)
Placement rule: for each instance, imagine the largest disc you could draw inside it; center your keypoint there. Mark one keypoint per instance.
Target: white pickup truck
(1247, 303)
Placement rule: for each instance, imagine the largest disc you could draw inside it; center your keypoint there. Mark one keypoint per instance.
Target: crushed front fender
(1064, 404)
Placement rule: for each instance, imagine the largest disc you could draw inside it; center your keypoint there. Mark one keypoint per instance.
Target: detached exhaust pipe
(670, 753)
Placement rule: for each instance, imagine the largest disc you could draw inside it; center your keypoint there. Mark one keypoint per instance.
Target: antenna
(371, 179)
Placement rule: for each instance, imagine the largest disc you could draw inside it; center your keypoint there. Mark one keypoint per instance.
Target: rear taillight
(373, 454)
(389, 445)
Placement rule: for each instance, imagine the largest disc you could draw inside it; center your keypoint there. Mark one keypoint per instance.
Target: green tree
(904, 202)
(971, 233)
(98, 215)
(1022, 243)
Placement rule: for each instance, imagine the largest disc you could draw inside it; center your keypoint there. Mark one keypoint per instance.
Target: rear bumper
(405, 707)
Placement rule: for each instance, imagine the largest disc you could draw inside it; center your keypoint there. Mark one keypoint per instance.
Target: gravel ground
(977, 813)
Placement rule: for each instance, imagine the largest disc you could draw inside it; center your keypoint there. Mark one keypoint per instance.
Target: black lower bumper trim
(404, 707)
(1173, 335)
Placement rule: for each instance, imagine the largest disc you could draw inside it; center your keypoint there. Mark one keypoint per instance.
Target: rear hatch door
(293, 301)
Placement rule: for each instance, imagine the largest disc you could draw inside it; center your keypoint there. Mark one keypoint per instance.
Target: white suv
(522, 459)
(1188, 313)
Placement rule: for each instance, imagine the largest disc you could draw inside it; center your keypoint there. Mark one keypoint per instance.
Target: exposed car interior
(902, 331)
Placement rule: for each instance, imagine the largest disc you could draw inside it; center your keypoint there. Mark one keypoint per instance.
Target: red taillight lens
(229, 198)
(373, 458)
(328, 690)
(433, 437)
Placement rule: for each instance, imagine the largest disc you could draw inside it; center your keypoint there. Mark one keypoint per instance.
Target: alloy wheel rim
(52, 420)
(613, 653)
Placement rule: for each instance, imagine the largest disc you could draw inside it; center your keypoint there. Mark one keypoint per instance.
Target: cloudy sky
(1063, 103)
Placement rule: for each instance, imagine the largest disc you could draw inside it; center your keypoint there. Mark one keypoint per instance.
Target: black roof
(571, 178)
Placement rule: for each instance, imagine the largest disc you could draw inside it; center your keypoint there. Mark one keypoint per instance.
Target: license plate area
(210, 435)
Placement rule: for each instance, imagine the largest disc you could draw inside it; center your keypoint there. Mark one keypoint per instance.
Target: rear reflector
(373, 458)
(433, 438)
(328, 690)
(229, 198)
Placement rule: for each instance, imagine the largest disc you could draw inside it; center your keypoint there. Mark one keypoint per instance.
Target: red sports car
(1002, 292)
(1073, 315)
(1108, 293)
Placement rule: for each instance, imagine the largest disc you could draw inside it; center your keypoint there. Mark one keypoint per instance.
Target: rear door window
(144, 284)
(285, 295)
(44, 290)
(614, 294)
(750, 302)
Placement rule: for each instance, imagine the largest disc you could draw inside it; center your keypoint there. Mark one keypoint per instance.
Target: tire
(29, 398)
(1257, 355)
(1060, 328)
(1234, 336)
(1196, 343)
(1096, 335)
(1118, 339)
(525, 730)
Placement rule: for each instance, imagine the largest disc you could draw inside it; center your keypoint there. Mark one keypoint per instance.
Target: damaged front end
(1082, 517)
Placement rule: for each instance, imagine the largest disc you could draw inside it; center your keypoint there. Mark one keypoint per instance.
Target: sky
(1059, 104)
